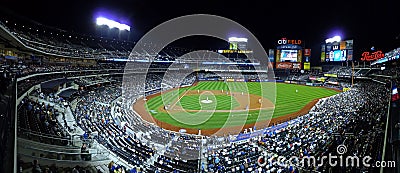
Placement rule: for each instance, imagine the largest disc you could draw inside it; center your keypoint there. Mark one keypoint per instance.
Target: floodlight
(112, 24)
(333, 39)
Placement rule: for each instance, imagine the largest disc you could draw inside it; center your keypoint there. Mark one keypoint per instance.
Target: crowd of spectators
(358, 113)
(38, 121)
(241, 157)
(93, 114)
(340, 70)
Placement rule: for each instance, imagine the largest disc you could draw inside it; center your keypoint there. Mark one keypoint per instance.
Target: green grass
(286, 101)
(219, 102)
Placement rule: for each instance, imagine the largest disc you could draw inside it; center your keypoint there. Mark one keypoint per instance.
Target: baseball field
(214, 105)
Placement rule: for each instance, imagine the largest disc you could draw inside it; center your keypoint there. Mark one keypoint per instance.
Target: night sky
(369, 23)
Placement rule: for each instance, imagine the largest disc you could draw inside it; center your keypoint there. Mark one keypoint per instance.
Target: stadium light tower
(333, 39)
(112, 24)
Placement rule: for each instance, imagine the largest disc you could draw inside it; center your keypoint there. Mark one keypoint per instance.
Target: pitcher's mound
(206, 101)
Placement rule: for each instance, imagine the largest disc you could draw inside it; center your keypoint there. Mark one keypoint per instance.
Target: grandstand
(77, 114)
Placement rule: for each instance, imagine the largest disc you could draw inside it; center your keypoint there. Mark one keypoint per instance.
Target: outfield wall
(266, 80)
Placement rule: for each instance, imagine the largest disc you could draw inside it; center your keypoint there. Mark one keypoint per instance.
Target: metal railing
(53, 140)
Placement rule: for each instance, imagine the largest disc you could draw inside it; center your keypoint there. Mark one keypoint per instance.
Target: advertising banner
(331, 56)
(349, 55)
(330, 75)
(278, 55)
(284, 65)
(321, 79)
(296, 65)
(342, 45)
(333, 82)
(208, 79)
(271, 55)
(336, 55)
(327, 56)
(371, 56)
(349, 44)
(328, 47)
(322, 56)
(307, 52)
(233, 46)
(335, 46)
(299, 56)
(306, 66)
(346, 89)
(253, 80)
(289, 46)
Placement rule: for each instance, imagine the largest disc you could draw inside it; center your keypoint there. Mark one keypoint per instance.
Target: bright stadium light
(112, 24)
(333, 39)
(235, 39)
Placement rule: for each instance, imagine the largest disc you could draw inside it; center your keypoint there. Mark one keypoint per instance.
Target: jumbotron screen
(289, 55)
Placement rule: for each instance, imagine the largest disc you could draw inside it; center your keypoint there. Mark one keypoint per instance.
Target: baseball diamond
(228, 99)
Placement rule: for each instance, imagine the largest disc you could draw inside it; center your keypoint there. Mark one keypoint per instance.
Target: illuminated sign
(233, 46)
(299, 55)
(235, 39)
(330, 75)
(307, 52)
(297, 65)
(286, 41)
(350, 55)
(271, 55)
(289, 46)
(368, 56)
(284, 65)
(321, 79)
(342, 45)
(235, 51)
(349, 44)
(306, 66)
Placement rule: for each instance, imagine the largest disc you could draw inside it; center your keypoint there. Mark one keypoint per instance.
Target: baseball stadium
(144, 88)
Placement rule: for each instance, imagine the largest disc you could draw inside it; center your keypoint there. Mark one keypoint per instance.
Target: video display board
(337, 51)
(288, 56)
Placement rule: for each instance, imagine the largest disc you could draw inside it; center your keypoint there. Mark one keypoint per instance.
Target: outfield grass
(287, 101)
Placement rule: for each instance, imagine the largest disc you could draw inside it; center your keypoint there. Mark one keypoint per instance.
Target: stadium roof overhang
(10, 39)
(13, 42)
